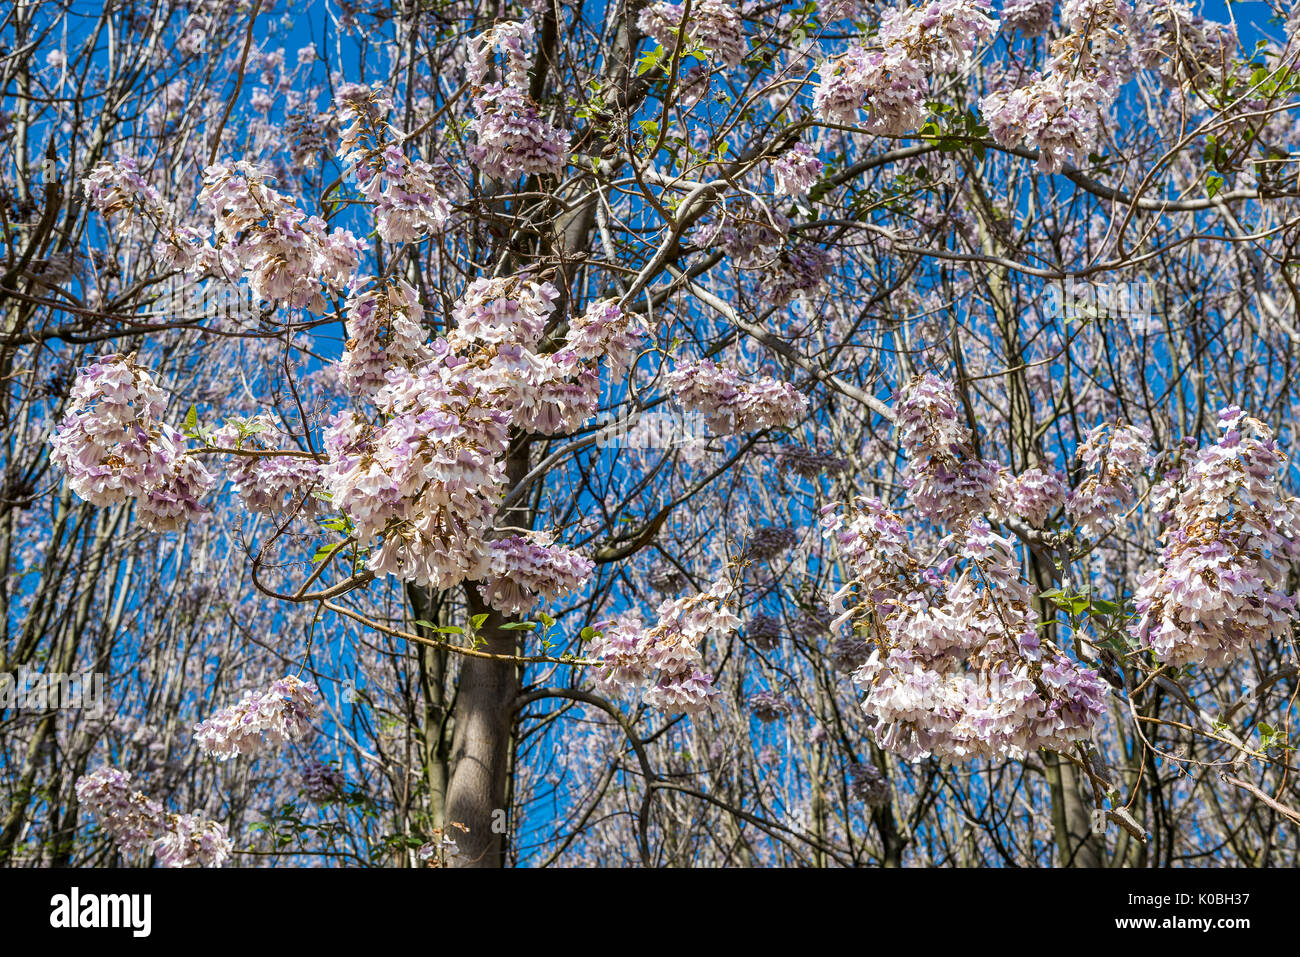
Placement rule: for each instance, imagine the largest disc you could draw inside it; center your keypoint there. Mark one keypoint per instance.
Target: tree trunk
(480, 749)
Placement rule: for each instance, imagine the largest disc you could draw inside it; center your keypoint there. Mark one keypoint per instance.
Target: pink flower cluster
(512, 137)
(604, 329)
(188, 840)
(524, 569)
(1030, 17)
(764, 632)
(944, 479)
(1115, 457)
(267, 478)
(286, 255)
(799, 270)
(1186, 48)
(501, 310)
(1221, 585)
(408, 204)
(555, 393)
(1033, 495)
(956, 668)
(114, 448)
(429, 479)
(796, 170)
(810, 462)
(937, 36)
(730, 403)
(768, 706)
(869, 785)
(1081, 15)
(321, 783)
(510, 38)
(1058, 112)
(137, 823)
(384, 327)
(714, 24)
(283, 712)
(119, 188)
(667, 653)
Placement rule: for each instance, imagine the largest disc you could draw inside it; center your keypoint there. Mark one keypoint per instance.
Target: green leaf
(325, 551)
(191, 420)
(650, 60)
(477, 621)
(1213, 183)
(519, 626)
(441, 629)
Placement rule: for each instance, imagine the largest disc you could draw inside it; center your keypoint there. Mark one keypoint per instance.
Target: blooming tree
(317, 324)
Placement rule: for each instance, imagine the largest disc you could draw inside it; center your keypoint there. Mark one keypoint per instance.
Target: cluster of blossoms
(714, 25)
(188, 840)
(546, 393)
(512, 137)
(120, 189)
(321, 783)
(937, 36)
(869, 785)
(114, 448)
(957, 668)
(525, 568)
(385, 328)
(1114, 456)
(799, 270)
(1081, 15)
(408, 204)
(1186, 48)
(137, 823)
(604, 329)
(1030, 17)
(731, 404)
(796, 170)
(770, 541)
(1031, 496)
(667, 653)
(1058, 112)
(430, 478)
(810, 462)
(945, 480)
(758, 239)
(283, 712)
(510, 38)
(286, 255)
(505, 310)
(267, 478)
(1221, 584)
(750, 235)
(768, 706)
(764, 632)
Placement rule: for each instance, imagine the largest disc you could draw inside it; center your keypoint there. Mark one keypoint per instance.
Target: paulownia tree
(649, 433)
